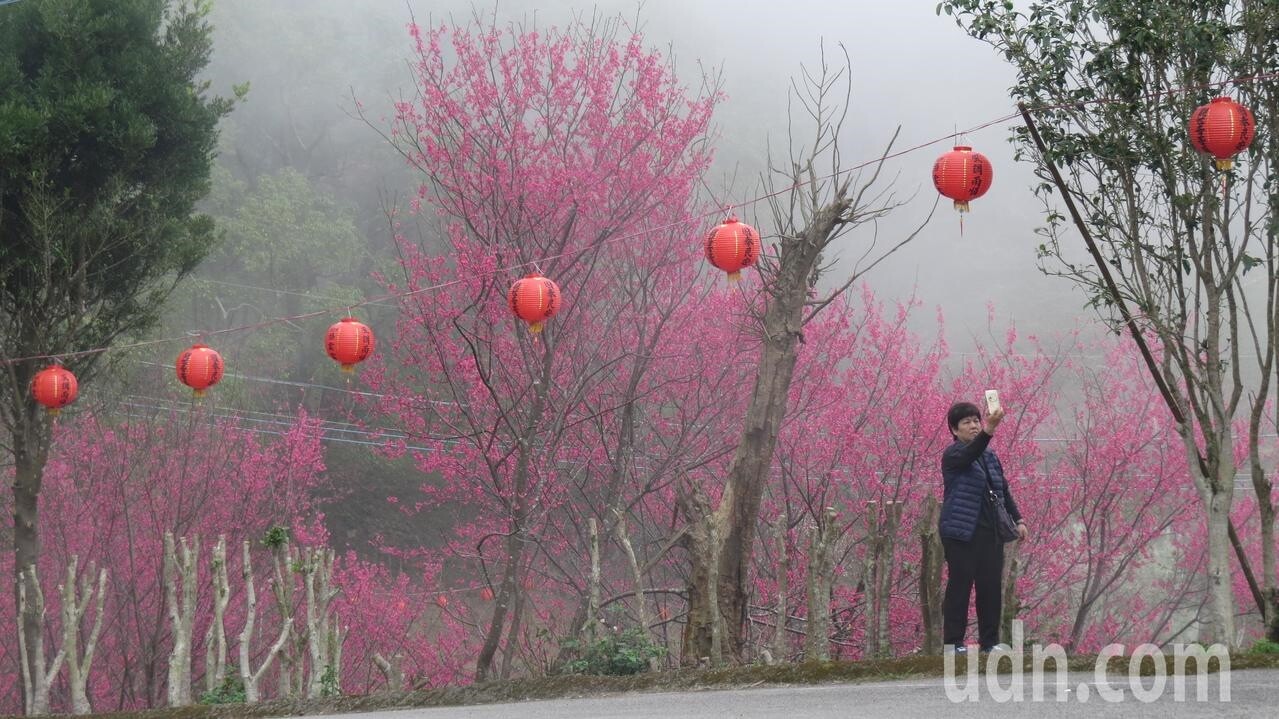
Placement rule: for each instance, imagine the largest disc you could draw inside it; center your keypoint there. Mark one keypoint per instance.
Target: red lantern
(199, 368)
(1222, 128)
(534, 299)
(962, 175)
(54, 387)
(441, 601)
(486, 594)
(349, 342)
(731, 246)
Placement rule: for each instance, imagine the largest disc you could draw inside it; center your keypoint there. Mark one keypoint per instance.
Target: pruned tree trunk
(324, 635)
(75, 602)
(1011, 605)
(735, 519)
(881, 531)
(783, 588)
(392, 670)
(215, 649)
(250, 676)
(886, 548)
(1220, 625)
(870, 582)
(700, 638)
(930, 564)
(337, 638)
(820, 580)
(812, 210)
(38, 679)
(291, 659)
(181, 574)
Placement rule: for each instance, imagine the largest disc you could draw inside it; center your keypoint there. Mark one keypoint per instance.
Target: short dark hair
(959, 412)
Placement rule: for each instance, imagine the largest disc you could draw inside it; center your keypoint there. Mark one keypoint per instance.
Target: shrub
(1264, 646)
(617, 654)
(231, 691)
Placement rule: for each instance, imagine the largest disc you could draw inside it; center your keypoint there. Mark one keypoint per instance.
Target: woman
(974, 553)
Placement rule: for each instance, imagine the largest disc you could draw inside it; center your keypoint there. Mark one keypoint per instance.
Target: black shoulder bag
(1005, 527)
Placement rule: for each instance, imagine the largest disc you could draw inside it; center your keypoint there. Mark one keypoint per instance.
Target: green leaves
(231, 691)
(106, 141)
(616, 654)
(275, 537)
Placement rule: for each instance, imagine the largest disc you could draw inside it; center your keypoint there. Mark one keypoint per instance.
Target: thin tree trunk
(74, 605)
(1011, 605)
(513, 633)
(215, 649)
(505, 597)
(291, 677)
(392, 670)
(1216, 492)
(713, 588)
(591, 626)
(181, 571)
(1220, 626)
(248, 675)
(783, 588)
(637, 575)
(930, 564)
(885, 574)
(323, 638)
(874, 540)
(30, 435)
(817, 643)
(695, 644)
(515, 541)
(38, 683)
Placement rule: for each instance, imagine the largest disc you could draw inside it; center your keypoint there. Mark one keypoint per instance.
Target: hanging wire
(641, 233)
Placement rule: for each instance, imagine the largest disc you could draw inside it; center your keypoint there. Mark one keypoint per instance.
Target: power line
(310, 385)
(206, 280)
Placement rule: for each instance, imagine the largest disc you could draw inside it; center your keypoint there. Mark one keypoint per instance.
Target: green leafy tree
(1185, 256)
(286, 233)
(106, 140)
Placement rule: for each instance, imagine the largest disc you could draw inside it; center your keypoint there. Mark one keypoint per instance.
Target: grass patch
(568, 686)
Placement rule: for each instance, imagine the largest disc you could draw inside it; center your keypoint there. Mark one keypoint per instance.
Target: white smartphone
(992, 400)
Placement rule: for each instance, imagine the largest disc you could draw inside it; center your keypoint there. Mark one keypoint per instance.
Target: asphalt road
(1253, 693)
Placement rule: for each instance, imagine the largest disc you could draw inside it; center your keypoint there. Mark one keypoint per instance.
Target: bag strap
(990, 486)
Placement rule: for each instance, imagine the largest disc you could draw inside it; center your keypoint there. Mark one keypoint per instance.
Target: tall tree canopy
(1177, 246)
(106, 141)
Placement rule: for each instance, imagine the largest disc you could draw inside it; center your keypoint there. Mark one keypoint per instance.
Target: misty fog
(309, 62)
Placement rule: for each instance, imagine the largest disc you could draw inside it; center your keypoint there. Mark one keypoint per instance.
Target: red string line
(719, 211)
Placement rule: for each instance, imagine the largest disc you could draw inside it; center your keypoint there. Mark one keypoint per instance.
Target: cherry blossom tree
(575, 152)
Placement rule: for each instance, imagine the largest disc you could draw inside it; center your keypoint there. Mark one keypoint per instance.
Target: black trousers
(979, 563)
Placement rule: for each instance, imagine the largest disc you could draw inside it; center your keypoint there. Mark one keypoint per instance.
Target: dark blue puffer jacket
(964, 471)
